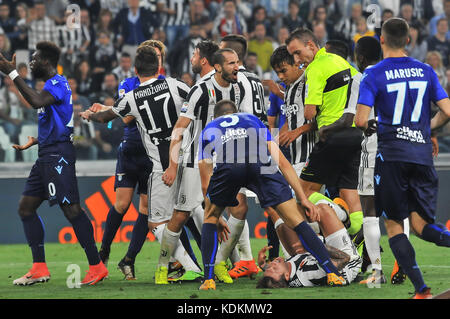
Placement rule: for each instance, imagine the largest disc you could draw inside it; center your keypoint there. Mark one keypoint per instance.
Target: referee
(335, 159)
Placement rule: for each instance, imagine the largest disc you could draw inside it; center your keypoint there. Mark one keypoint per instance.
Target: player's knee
(72, 211)
(178, 220)
(25, 209)
(325, 211)
(121, 206)
(24, 212)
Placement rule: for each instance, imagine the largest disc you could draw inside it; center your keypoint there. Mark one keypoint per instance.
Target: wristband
(13, 74)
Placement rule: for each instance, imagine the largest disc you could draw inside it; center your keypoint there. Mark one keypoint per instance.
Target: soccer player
(155, 125)
(195, 114)
(253, 103)
(132, 169)
(334, 160)
(244, 148)
(401, 89)
(300, 135)
(280, 272)
(53, 176)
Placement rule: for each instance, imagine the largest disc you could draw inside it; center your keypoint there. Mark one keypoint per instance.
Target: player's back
(156, 106)
(402, 90)
(254, 102)
(130, 130)
(239, 138)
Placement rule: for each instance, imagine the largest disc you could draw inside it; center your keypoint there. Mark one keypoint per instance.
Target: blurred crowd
(98, 39)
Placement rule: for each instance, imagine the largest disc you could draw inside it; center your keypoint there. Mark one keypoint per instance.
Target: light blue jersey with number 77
(401, 90)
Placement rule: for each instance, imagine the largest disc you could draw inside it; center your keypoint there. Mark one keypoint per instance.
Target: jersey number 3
(400, 88)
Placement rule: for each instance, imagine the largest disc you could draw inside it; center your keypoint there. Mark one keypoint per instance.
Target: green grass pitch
(16, 260)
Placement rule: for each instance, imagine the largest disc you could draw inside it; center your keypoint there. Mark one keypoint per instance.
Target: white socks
(173, 249)
(285, 253)
(341, 240)
(245, 249)
(372, 234)
(226, 247)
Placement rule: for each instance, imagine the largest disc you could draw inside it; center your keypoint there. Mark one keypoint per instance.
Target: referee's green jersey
(328, 83)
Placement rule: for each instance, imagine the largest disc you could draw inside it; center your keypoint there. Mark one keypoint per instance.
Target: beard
(38, 73)
(196, 69)
(229, 77)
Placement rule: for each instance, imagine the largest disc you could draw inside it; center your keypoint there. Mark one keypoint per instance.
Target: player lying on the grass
(406, 183)
(53, 176)
(244, 151)
(300, 268)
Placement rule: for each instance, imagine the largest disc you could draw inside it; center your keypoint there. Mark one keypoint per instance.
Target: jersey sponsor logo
(291, 109)
(405, 133)
(234, 134)
(404, 73)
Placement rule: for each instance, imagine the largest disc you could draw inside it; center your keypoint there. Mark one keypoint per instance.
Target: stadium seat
(6, 145)
(31, 154)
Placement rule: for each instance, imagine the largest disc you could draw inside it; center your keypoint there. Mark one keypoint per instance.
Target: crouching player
(244, 150)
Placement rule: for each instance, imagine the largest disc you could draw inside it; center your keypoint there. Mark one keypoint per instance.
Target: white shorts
(366, 183)
(189, 191)
(161, 198)
(299, 167)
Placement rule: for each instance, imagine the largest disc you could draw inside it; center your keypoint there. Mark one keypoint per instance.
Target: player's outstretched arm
(34, 98)
(101, 117)
(174, 149)
(31, 141)
(291, 177)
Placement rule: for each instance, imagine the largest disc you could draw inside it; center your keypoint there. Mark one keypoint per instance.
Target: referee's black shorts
(335, 161)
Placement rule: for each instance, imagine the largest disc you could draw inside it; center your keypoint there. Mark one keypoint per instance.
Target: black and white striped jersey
(181, 17)
(254, 102)
(294, 110)
(306, 271)
(199, 107)
(156, 105)
(369, 143)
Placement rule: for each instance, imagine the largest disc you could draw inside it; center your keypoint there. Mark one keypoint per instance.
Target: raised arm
(34, 98)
